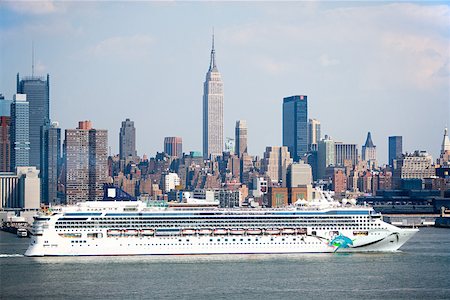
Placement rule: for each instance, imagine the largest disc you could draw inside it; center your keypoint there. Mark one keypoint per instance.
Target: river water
(420, 271)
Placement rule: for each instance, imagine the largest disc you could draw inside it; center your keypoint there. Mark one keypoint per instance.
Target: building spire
(369, 143)
(212, 64)
(445, 142)
(32, 59)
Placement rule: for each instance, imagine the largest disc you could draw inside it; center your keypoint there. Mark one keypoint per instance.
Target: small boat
(130, 232)
(237, 231)
(188, 231)
(272, 231)
(254, 231)
(220, 231)
(147, 232)
(288, 231)
(204, 231)
(114, 232)
(22, 232)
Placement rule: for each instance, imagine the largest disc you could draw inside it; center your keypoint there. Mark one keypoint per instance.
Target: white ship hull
(209, 245)
(143, 232)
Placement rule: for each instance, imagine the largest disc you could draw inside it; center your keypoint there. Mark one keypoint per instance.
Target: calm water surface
(420, 271)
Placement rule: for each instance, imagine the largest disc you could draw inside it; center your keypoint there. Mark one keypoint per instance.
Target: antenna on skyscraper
(213, 38)
(32, 58)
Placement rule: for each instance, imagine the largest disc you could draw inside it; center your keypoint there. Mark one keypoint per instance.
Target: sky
(382, 67)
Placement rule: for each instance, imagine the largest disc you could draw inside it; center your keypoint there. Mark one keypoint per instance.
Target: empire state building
(213, 110)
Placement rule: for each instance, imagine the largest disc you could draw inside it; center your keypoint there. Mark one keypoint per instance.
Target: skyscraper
(19, 132)
(5, 138)
(295, 125)
(173, 146)
(50, 162)
(369, 152)
(325, 156)
(275, 163)
(345, 152)
(127, 140)
(241, 137)
(395, 148)
(37, 90)
(444, 157)
(86, 155)
(213, 110)
(313, 134)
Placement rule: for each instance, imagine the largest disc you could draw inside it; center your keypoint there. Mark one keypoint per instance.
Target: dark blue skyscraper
(37, 90)
(295, 125)
(395, 148)
(20, 143)
(50, 162)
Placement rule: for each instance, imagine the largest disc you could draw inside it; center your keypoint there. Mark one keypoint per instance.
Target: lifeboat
(188, 231)
(254, 231)
(114, 232)
(147, 232)
(204, 231)
(288, 231)
(301, 230)
(237, 231)
(130, 232)
(220, 231)
(272, 231)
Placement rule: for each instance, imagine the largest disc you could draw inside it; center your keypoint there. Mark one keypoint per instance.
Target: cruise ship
(140, 228)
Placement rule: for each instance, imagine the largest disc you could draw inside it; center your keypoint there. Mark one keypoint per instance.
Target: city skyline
(257, 77)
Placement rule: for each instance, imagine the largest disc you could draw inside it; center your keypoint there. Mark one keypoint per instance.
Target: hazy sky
(379, 67)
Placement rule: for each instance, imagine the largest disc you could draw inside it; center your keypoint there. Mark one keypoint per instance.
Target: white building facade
(213, 141)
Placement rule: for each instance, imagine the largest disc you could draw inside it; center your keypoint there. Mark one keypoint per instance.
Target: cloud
(271, 65)
(124, 47)
(379, 45)
(31, 7)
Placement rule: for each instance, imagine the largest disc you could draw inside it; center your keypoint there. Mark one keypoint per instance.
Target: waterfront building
(300, 193)
(313, 134)
(395, 148)
(369, 152)
(213, 141)
(278, 197)
(345, 152)
(37, 90)
(86, 162)
(173, 146)
(241, 137)
(417, 165)
(50, 162)
(295, 125)
(127, 140)
(5, 138)
(19, 132)
(20, 189)
(325, 156)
